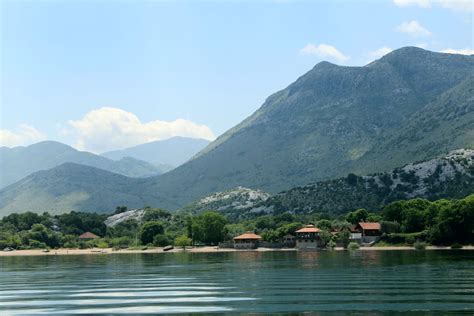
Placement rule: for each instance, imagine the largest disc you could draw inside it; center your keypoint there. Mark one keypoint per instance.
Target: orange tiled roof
(370, 226)
(308, 229)
(248, 235)
(88, 235)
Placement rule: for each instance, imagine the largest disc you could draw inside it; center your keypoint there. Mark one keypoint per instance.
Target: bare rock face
(113, 220)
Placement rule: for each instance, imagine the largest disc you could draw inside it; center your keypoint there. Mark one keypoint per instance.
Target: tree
(120, 209)
(209, 228)
(357, 216)
(149, 230)
(344, 237)
(161, 241)
(182, 241)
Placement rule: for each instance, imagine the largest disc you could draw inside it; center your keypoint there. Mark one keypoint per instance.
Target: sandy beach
(106, 251)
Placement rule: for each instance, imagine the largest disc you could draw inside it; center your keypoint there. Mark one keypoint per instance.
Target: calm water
(433, 282)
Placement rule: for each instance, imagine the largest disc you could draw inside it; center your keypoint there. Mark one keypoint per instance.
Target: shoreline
(108, 251)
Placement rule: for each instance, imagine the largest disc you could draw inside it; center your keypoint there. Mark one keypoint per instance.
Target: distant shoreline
(108, 251)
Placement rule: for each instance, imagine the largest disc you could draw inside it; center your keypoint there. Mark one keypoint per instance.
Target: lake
(432, 282)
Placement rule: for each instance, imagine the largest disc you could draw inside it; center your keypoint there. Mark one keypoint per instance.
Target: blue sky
(102, 75)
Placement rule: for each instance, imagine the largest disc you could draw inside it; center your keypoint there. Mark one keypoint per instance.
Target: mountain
(167, 153)
(72, 186)
(449, 176)
(410, 105)
(18, 162)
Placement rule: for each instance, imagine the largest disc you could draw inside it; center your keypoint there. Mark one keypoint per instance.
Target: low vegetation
(415, 222)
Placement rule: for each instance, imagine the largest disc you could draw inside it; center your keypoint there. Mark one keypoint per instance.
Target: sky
(105, 75)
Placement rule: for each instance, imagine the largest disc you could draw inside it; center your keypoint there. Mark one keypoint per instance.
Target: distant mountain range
(19, 162)
(410, 105)
(167, 154)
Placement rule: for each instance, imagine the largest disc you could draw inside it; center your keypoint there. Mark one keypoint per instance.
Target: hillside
(19, 162)
(72, 186)
(410, 105)
(166, 154)
(233, 200)
(449, 176)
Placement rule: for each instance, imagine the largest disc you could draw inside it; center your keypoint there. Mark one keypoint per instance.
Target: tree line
(441, 222)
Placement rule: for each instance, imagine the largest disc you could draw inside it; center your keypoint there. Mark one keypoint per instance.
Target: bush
(34, 244)
(353, 246)
(456, 246)
(331, 244)
(102, 244)
(419, 245)
(161, 241)
(149, 230)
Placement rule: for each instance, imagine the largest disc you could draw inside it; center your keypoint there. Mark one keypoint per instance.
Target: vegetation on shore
(414, 222)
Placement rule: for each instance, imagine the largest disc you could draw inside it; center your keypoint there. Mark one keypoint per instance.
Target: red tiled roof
(248, 235)
(88, 235)
(308, 229)
(370, 226)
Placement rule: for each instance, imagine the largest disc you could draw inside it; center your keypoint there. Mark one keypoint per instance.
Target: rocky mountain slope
(449, 176)
(19, 162)
(236, 199)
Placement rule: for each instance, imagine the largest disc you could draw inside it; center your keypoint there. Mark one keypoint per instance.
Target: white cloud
(413, 28)
(465, 51)
(324, 51)
(382, 51)
(110, 128)
(418, 3)
(23, 135)
(455, 5)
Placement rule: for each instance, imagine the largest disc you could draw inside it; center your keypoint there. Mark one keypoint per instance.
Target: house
(308, 237)
(248, 240)
(367, 232)
(88, 236)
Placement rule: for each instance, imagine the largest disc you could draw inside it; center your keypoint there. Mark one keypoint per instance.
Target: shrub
(161, 241)
(456, 246)
(149, 230)
(102, 244)
(331, 244)
(353, 246)
(419, 245)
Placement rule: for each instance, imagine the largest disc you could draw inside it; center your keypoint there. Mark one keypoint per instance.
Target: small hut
(88, 236)
(249, 240)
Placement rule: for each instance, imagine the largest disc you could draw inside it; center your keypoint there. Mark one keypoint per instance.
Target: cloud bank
(465, 51)
(413, 28)
(21, 136)
(110, 128)
(324, 51)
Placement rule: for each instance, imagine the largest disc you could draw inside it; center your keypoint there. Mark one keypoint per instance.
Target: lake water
(433, 282)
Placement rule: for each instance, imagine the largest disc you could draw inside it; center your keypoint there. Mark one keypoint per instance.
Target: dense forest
(441, 222)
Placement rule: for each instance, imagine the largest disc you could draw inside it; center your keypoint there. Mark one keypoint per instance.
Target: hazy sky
(102, 75)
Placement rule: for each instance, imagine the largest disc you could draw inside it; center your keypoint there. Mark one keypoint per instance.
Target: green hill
(76, 187)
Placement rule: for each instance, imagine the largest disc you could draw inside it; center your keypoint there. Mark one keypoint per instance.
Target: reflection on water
(369, 282)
